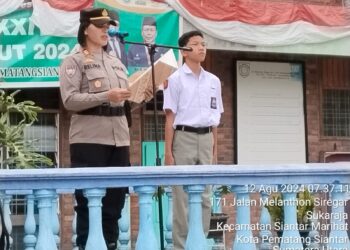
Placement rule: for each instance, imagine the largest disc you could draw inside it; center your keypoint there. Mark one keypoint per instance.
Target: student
(193, 107)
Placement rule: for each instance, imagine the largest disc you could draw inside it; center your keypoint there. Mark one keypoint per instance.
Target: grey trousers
(190, 149)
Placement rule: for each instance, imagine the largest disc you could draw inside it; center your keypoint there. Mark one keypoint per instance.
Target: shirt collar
(187, 69)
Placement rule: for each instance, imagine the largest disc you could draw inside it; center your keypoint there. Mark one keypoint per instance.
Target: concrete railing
(43, 185)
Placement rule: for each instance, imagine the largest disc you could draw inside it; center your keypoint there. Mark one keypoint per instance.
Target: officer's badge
(104, 12)
(98, 84)
(88, 60)
(70, 70)
(86, 52)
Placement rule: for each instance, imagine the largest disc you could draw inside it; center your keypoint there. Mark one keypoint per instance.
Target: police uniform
(197, 106)
(84, 82)
(99, 134)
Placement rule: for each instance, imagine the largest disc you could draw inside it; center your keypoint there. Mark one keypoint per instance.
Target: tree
(17, 152)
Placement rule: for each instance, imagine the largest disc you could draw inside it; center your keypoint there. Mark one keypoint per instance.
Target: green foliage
(15, 150)
(224, 189)
(305, 203)
(276, 210)
(304, 208)
(158, 193)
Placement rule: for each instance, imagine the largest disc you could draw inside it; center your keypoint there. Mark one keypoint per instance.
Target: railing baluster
(30, 225)
(291, 237)
(314, 236)
(55, 221)
(195, 238)
(146, 239)
(338, 237)
(169, 220)
(7, 216)
(244, 237)
(95, 238)
(265, 221)
(74, 232)
(46, 240)
(216, 201)
(124, 226)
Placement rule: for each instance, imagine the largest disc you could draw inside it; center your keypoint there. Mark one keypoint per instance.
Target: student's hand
(169, 159)
(165, 84)
(118, 94)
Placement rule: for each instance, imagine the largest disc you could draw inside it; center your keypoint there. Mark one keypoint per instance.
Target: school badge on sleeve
(213, 103)
(70, 70)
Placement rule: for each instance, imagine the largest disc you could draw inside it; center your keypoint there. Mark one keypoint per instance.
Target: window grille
(148, 120)
(336, 113)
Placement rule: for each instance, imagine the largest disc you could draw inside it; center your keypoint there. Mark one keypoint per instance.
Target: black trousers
(97, 155)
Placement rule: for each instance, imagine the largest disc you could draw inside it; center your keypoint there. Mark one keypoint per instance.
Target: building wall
(320, 73)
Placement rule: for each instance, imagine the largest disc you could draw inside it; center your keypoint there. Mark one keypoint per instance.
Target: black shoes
(110, 246)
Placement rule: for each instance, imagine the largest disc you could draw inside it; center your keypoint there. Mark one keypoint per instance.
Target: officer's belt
(200, 130)
(103, 110)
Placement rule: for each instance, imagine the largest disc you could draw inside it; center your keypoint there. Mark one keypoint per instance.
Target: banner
(35, 35)
(283, 26)
(267, 23)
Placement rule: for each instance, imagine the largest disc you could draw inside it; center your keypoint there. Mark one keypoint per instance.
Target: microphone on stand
(185, 48)
(119, 34)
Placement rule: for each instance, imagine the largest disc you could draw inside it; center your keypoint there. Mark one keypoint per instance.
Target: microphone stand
(151, 51)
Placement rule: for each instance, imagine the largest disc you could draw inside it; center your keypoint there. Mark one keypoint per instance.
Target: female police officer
(94, 85)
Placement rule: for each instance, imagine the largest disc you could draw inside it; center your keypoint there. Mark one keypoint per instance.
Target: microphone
(186, 48)
(119, 34)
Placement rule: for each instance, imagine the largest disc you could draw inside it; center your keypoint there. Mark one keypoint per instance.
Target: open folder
(140, 83)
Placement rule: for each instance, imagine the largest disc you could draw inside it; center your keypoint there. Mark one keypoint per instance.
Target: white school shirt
(196, 102)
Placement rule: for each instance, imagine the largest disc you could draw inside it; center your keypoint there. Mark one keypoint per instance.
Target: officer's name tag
(213, 103)
(92, 66)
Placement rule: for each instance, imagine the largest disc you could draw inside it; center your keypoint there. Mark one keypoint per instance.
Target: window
(148, 120)
(336, 113)
(43, 133)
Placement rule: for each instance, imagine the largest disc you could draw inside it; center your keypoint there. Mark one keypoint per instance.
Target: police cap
(96, 16)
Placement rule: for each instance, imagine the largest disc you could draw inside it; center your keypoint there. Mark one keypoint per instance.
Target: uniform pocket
(97, 80)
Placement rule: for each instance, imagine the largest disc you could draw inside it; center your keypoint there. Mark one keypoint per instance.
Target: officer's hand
(118, 94)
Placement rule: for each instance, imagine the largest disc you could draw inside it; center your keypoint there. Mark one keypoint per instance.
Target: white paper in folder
(140, 83)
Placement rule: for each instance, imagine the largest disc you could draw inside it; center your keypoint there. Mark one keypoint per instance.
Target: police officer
(93, 85)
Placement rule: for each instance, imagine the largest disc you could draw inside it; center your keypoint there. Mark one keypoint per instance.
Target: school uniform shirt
(196, 102)
(84, 81)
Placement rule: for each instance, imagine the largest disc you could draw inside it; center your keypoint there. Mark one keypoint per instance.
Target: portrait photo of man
(138, 55)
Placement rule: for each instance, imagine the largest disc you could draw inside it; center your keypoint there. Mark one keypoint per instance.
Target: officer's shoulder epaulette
(111, 56)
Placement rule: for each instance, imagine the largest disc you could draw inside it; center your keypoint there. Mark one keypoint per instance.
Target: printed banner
(267, 23)
(35, 35)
